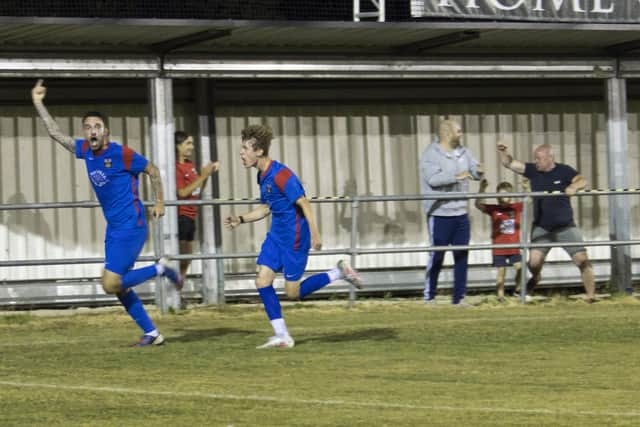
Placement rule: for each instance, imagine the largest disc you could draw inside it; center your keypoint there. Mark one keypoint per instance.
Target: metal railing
(354, 250)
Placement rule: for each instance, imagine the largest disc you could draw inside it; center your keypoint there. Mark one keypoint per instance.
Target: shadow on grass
(191, 335)
(376, 334)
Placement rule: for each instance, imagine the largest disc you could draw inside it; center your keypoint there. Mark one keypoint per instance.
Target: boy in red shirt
(505, 229)
(189, 186)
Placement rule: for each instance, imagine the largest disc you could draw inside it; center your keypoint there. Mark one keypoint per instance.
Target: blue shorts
(287, 260)
(506, 260)
(122, 247)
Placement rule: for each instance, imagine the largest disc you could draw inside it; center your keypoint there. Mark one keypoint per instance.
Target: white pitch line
(361, 404)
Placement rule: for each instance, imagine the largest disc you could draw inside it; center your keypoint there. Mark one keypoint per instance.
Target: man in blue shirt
(113, 170)
(552, 216)
(293, 232)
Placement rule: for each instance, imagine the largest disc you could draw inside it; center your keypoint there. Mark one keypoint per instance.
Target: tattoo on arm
(54, 130)
(156, 181)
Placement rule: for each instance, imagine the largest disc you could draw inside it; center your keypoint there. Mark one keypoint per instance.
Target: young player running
(293, 232)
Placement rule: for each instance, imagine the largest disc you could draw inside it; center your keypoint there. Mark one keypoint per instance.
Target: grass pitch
(396, 363)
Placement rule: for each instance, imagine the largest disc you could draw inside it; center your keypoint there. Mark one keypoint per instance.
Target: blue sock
(313, 283)
(271, 302)
(140, 275)
(136, 310)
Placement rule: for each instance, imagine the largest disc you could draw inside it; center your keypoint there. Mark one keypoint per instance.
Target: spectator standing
(189, 186)
(445, 167)
(552, 216)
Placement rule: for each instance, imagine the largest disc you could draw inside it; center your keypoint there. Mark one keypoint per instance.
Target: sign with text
(594, 11)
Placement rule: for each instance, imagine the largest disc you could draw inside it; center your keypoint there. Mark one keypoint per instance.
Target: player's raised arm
(158, 192)
(316, 241)
(38, 92)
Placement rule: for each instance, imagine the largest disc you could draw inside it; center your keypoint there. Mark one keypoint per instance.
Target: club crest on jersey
(98, 178)
(107, 163)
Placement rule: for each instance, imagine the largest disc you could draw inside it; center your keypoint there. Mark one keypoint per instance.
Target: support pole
(212, 270)
(524, 239)
(619, 206)
(354, 244)
(163, 156)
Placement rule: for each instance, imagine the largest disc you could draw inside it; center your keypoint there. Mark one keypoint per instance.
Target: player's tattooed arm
(37, 95)
(156, 185)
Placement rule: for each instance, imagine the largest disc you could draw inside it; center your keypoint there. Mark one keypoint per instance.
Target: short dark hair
(95, 114)
(180, 136)
(262, 134)
(504, 185)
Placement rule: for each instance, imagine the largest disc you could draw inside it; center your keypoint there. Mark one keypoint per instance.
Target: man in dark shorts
(189, 185)
(552, 216)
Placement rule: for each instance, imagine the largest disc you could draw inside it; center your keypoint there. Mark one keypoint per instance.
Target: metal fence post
(163, 155)
(158, 251)
(524, 241)
(353, 245)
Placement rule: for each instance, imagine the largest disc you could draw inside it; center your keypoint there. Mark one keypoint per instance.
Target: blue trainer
(171, 274)
(149, 340)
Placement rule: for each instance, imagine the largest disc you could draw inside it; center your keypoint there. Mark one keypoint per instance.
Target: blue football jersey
(279, 189)
(113, 173)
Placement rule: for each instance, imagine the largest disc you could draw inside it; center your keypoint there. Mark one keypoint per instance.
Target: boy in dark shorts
(505, 229)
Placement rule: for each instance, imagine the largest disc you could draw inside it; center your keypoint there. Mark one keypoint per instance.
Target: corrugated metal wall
(367, 149)
(336, 150)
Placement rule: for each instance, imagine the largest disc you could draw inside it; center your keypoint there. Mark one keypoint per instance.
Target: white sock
(279, 327)
(334, 274)
(153, 333)
(159, 269)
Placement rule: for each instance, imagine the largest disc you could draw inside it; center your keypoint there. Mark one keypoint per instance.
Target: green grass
(395, 363)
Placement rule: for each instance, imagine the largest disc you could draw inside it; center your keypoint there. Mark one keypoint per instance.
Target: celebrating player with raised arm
(113, 170)
(293, 231)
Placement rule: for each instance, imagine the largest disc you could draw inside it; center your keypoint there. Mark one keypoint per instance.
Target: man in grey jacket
(446, 166)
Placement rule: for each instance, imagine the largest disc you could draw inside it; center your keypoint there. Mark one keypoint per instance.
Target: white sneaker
(462, 304)
(278, 342)
(349, 274)
(527, 298)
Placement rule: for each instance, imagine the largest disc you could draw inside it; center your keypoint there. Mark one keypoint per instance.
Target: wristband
(241, 219)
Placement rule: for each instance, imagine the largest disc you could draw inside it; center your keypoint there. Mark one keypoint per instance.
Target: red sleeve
(180, 181)
(489, 209)
(127, 157)
(517, 206)
(282, 177)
